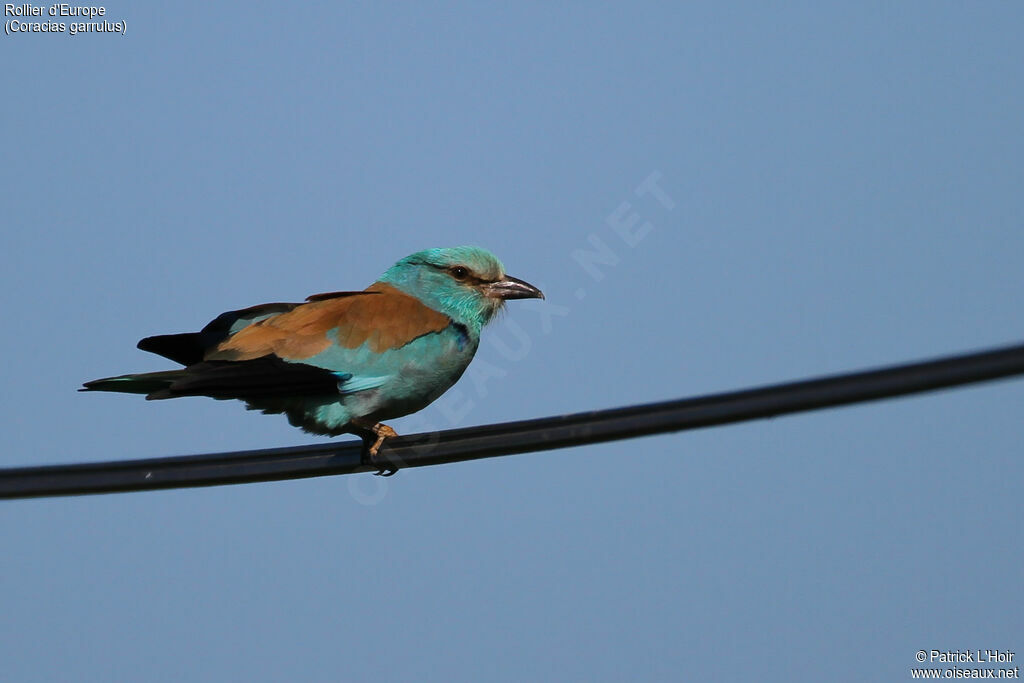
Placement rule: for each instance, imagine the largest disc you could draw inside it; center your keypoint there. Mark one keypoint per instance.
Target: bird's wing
(261, 378)
(381, 318)
(191, 347)
(334, 344)
(250, 379)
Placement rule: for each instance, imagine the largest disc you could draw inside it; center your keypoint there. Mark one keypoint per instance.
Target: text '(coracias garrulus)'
(344, 361)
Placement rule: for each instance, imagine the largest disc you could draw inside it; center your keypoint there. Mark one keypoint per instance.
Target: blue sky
(844, 190)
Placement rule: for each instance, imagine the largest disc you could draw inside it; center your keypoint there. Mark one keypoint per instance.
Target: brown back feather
(387, 320)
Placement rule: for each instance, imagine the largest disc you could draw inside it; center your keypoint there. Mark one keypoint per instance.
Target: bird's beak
(512, 288)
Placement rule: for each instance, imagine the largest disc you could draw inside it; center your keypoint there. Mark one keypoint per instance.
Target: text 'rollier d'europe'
(56, 10)
(29, 18)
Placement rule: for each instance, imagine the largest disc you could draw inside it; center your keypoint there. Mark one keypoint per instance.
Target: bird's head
(468, 284)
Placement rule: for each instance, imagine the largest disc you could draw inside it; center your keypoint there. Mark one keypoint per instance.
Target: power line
(509, 438)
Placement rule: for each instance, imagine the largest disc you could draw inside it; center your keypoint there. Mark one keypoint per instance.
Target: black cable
(489, 441)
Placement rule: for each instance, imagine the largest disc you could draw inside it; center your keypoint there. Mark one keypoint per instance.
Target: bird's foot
(379, 432)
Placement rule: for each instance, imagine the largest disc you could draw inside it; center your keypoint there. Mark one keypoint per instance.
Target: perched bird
(343, 361)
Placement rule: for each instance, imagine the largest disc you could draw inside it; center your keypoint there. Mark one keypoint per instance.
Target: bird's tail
(142, 383)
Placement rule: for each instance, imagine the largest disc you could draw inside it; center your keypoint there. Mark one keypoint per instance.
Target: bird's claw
(381, 432)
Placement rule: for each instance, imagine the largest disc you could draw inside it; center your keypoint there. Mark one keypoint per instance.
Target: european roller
(344, 361)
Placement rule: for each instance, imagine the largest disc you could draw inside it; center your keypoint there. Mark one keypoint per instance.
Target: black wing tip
(150, 343)
(185, 348)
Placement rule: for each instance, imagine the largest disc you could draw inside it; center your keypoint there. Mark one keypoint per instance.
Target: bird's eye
(459, 272)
